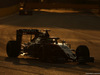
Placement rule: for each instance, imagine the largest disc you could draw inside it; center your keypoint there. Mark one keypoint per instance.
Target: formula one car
(23, 11)
(46, 48)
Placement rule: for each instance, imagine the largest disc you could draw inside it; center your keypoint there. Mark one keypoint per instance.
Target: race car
(23, 11)
(46, 48)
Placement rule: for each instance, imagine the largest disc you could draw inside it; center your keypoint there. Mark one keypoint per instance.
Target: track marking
(82, 40)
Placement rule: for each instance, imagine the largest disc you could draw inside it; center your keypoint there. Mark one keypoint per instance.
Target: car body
(46, 48)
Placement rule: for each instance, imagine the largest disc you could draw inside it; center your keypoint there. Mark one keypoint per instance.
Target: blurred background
(9, 7)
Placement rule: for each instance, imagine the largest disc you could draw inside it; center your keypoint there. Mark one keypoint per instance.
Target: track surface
(75, 28)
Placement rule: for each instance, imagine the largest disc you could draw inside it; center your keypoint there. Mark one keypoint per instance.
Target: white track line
(82, 40)
(7, 16)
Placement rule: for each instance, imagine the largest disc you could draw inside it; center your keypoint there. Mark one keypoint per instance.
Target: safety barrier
(9, 10)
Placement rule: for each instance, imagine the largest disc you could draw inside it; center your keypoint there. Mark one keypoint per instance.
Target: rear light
(21, 8)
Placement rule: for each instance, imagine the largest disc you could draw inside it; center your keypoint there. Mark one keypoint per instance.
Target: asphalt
(75, 28)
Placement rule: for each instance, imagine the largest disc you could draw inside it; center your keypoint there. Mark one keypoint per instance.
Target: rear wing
(27, 31)
(21, 32)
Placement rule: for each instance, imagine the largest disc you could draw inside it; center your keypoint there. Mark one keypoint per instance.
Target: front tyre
(82, 53)
(12, 49)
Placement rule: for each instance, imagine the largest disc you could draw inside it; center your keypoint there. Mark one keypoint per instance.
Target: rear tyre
(12, 49)
(29, 12)
(21, 12)
(25, 12)
(82, 53)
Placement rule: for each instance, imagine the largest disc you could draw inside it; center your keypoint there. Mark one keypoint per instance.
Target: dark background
(66, 1)
(7, 3)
